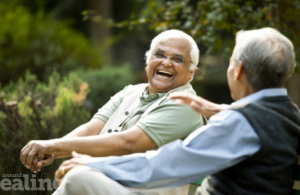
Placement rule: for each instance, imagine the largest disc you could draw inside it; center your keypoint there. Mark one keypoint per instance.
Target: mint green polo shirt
(166, 123)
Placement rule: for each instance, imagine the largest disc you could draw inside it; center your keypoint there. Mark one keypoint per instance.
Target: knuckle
(31, 155)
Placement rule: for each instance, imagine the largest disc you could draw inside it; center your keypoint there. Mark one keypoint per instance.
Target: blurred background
(60, 61)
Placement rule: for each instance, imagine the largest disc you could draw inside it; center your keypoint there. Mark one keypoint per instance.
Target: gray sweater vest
(269, 171)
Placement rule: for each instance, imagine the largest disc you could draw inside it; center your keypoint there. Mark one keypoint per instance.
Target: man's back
(270, 170)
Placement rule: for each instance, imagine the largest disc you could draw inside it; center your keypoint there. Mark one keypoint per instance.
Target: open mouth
(164, 74)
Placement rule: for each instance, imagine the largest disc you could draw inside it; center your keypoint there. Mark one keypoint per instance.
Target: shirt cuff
(102, 117)
(224, 106)
(150, 133)
(96, 163)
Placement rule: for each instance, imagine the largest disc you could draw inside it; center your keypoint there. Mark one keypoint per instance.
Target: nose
(167, 61)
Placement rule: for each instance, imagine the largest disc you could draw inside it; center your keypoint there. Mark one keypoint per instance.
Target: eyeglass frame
(171, 56)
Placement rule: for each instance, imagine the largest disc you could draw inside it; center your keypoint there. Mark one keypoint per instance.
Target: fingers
(48, 160)
(41, 156)
(34, 149)
(67, 165)
(30, 157)
(196, 107)
(64, 169)
(34, 166)
(181, 98)
(23, 156)
(77, 155)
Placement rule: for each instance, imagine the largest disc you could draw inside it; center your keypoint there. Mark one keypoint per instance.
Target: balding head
(267, 56)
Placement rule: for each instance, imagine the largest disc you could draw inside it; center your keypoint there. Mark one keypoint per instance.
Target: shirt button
(109, 131)
(126, 113)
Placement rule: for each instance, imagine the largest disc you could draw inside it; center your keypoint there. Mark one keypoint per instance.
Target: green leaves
(39, 43)
(32, 110)
(214, 23)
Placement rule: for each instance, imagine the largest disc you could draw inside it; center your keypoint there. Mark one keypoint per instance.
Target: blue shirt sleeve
(226, 140)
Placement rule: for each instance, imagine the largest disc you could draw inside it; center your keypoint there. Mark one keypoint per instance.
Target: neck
(245, 90)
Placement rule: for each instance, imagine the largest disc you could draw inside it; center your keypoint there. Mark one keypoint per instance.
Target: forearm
(130, 141)
(91, 128)
(105, 145)
(80, 131)
(211, 108)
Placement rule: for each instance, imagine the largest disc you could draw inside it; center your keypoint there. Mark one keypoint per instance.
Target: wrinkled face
(169, 65)
(233, 85)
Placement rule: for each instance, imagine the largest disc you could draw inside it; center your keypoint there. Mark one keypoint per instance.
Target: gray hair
(194, 53)
(267, 56)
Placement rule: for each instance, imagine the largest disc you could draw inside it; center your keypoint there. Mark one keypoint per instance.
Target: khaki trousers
(87, 181)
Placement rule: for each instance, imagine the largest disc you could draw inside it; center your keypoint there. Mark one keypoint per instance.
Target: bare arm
(130, 141)
(200, 105)
(91, 128)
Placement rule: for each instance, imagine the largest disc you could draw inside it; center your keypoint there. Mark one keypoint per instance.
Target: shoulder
(134, 88)
(137, 86)
(231, 115)
(232, 121)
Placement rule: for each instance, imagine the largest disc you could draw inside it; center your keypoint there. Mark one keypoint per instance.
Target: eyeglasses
(177, 59)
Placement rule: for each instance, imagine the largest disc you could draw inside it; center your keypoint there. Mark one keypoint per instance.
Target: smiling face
(165, 74)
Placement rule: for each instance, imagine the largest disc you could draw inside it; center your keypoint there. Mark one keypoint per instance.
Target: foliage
(31, 110)
(104, 83)
(213, 23)
(40, 44)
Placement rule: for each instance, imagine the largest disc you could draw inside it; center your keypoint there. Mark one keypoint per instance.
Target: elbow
(129, 146)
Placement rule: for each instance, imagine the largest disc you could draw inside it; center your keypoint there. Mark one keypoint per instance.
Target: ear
(239, 70)
(146, 68)
(192, 73)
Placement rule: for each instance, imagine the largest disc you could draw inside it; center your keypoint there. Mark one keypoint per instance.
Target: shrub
(104, 83)
(30, 110)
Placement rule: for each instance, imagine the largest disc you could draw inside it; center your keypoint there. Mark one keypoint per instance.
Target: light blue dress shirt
(226, 140)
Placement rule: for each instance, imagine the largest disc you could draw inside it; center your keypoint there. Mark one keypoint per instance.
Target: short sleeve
(110, 107)
(169, 122)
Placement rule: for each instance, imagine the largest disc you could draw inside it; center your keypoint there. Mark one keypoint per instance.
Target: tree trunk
(293, 87)
(98, 33)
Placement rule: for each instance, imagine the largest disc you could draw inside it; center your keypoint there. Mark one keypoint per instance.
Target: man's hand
(37, 154)
(200, 105)
(66, 166)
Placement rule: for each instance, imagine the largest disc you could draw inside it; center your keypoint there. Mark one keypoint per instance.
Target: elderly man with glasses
(140, 117)
(248, 148)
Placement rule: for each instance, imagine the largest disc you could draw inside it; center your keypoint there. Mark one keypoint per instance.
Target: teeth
(160, 71)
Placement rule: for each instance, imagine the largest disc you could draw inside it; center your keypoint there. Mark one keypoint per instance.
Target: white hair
(267, 56)
(169, 34)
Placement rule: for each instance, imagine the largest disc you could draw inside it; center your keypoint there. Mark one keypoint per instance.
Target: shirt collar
(260, 94)
(146, 91)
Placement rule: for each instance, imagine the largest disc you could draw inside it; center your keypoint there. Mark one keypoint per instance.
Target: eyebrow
(176, 55)
(159, 50)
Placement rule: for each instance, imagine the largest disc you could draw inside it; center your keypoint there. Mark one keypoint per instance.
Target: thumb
(45, 162)
(76, 155)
